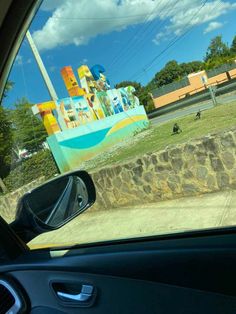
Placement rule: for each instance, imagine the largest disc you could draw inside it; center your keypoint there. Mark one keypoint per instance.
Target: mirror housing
(53, 204)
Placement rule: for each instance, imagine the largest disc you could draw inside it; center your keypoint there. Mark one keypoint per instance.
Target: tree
(146, 99)
(5, 142)
(141, 92)
(170, 73)
(8, 87)
(191, 67)
(136, 85)
(5, 136)
(217, 62)
(28, 131)
(233, 47)
(173, 71)
(217, 49)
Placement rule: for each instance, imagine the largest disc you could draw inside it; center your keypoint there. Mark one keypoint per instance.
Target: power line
(132, 38)
(149, 65)
(139, 43)
(95, 18)
(129, 43)
(177, 38)
(161, 24)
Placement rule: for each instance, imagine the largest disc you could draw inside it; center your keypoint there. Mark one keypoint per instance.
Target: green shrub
(40, 164)
(149, 106)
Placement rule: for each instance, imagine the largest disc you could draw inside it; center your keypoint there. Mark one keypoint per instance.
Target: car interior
(187, 272)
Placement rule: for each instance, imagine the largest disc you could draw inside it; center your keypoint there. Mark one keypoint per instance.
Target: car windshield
(142, 95)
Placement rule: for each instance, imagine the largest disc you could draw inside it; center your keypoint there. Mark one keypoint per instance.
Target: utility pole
(42, 68)
(47, 80)
(212, 90)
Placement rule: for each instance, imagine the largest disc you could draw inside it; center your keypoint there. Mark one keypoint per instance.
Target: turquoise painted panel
(86, 141)
(73, 146)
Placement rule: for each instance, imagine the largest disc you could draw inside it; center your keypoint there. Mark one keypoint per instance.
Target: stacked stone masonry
(8, 202)
(201, 166)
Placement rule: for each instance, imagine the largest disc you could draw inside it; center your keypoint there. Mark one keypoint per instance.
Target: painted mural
(93, 117)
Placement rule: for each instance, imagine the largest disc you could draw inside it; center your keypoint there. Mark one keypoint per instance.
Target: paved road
(206, 211)
(193, 109)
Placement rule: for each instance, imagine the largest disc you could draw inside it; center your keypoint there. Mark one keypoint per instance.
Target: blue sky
(123, 36)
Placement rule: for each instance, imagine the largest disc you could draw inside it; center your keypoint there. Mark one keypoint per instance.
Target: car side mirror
(53, 204)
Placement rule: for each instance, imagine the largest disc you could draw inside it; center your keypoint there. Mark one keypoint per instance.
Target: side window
(140, 94)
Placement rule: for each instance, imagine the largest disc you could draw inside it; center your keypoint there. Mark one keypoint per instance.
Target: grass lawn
(159, 136)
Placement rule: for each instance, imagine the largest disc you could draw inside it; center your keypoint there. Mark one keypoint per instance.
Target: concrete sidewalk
(205, 211)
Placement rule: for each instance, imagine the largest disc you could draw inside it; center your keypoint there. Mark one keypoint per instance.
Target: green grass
(212, 121)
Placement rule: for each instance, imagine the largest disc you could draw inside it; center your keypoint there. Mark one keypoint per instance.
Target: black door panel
(121, 295)
(203, 263)
(177, 275)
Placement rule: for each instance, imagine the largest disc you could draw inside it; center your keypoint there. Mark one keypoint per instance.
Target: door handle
(84, 296)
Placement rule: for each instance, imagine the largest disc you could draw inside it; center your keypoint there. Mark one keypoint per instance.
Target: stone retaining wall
(9, 201)
(200, 166)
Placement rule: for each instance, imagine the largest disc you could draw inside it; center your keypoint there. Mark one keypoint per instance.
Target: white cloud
(190, 13)
(50, 58)
(52, 68)
(84, 61)
(212, 26)
(19, 60)
(49, 5)
(158, 38)
(76, 22)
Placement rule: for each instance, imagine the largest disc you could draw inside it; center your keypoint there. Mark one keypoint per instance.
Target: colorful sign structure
(92, 119)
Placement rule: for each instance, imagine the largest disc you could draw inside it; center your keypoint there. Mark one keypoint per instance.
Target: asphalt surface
(193, 109)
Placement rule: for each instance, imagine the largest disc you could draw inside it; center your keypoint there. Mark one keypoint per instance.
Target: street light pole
(213, 97)
(42, 68)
